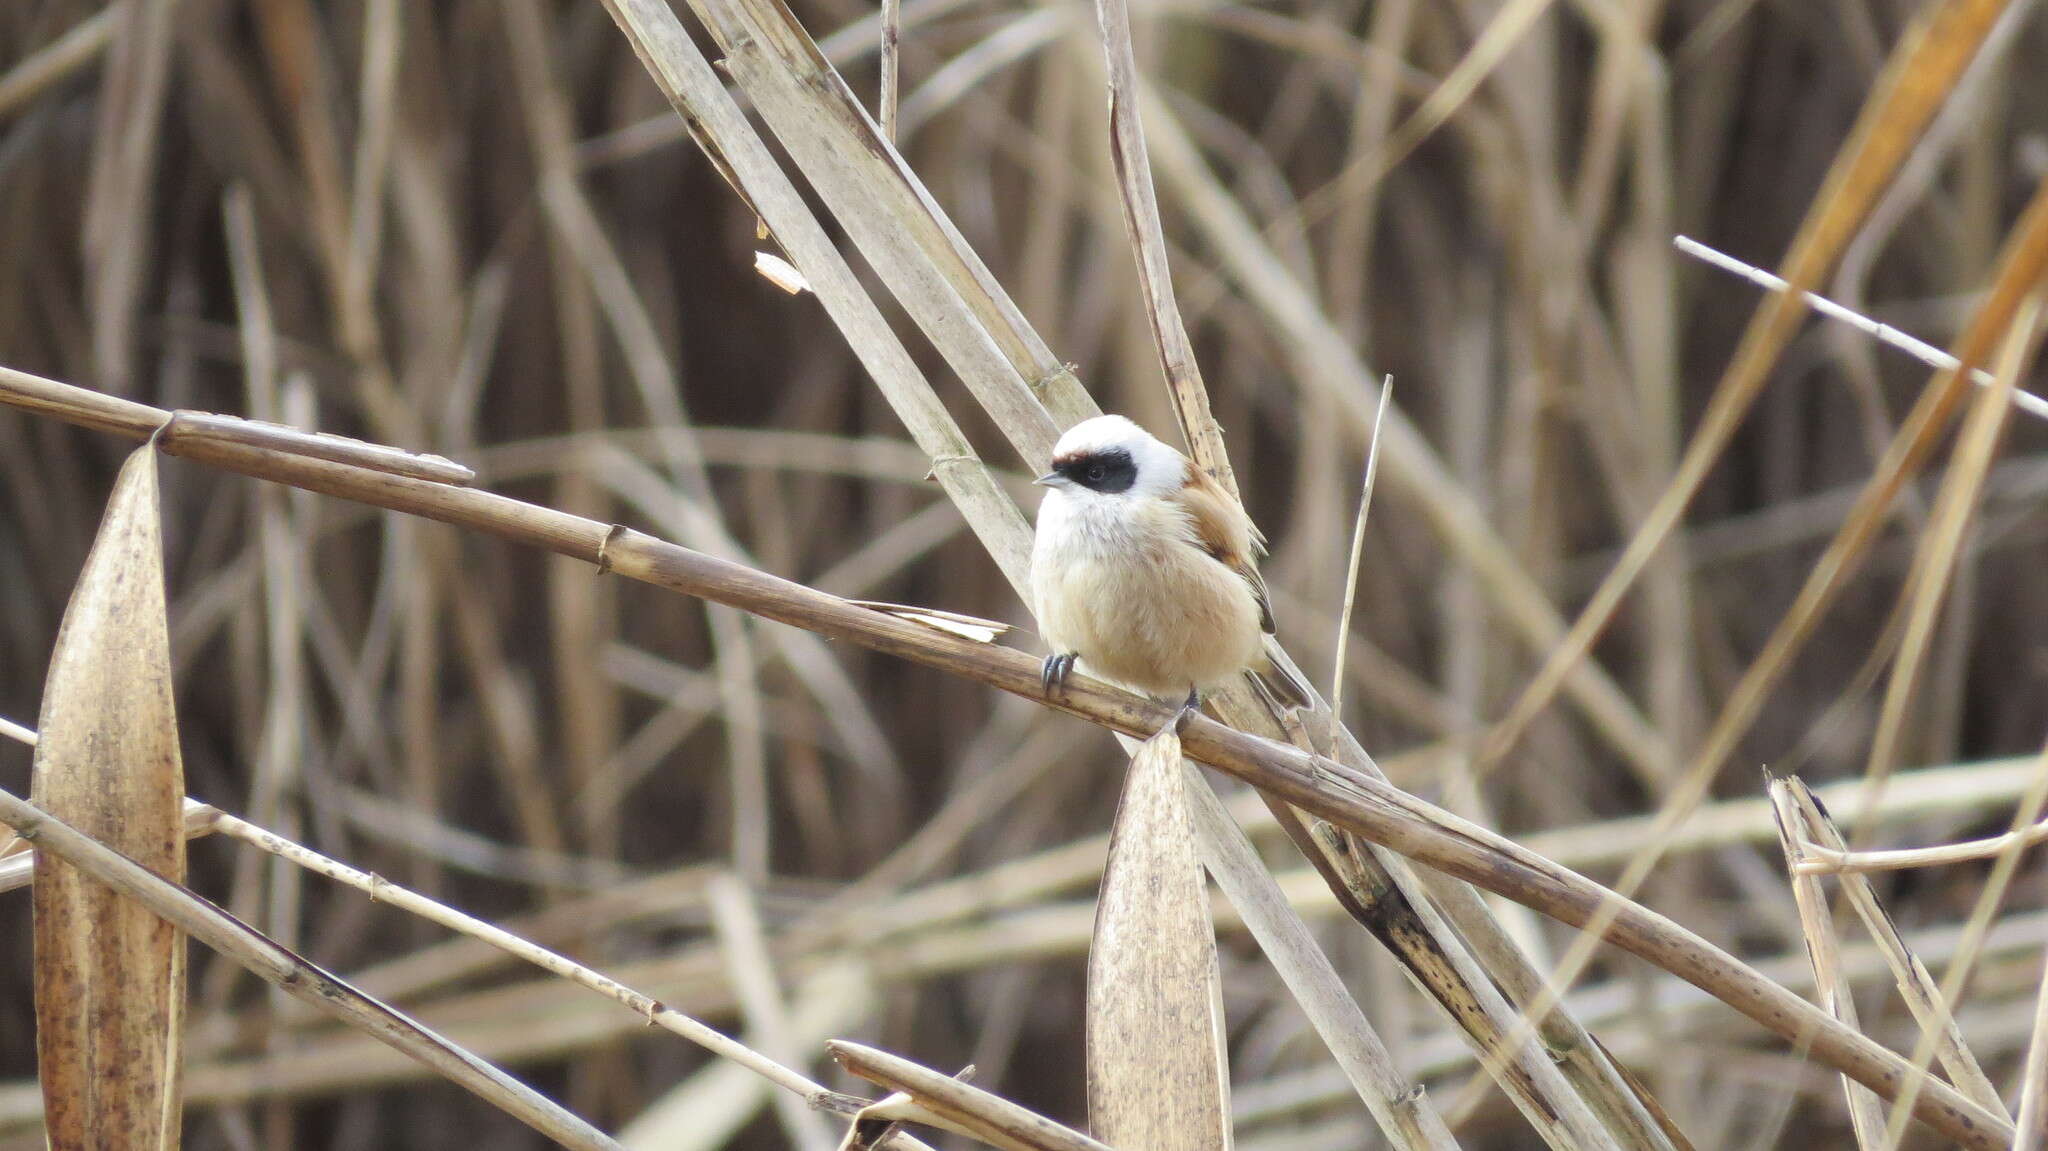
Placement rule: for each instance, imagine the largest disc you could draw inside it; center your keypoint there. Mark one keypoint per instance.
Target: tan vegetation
(545, 733)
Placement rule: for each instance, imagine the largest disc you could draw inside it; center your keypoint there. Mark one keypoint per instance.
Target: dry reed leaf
(1824, 951)
(1916, 984)
(1404, 1116)
(109, 974)
(781, 273)
(955, 1106)
(1158, 1076)
(951, 622)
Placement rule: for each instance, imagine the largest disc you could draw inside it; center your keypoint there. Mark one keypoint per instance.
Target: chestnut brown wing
(1227, 533)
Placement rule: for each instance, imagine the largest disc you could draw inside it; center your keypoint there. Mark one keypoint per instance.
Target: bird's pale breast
(1140, 602)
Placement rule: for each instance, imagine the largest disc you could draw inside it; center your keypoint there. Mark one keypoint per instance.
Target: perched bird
(1142, 570)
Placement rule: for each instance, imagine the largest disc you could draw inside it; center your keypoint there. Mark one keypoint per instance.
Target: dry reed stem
(1916, 985)
(751, 972)
(1940, 546)
(1334, 371)
(1546, 1098)
(201, 819)
(2033, 1120)
(1957, 978)
(1818, 860)
(1352, 800)
(1372, 468)
(121, 192)
(1133, 167)
(1919, 349)
(1397, 1104)
(1824, 952)
(75, 49)
(232, 938)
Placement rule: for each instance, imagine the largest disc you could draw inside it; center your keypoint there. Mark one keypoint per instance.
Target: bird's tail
(1279, 683)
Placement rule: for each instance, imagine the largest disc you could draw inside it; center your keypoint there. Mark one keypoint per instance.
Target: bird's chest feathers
(1134, 587)
(1125, 546)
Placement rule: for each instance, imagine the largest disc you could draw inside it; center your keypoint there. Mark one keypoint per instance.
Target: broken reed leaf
(955, 1106)
(951, 622)
(1158, 1073)
(109, 974)
(781, 273)
(1824, 955)
(1916, 984)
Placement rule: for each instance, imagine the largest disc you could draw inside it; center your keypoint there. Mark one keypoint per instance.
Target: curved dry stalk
(1820, 860)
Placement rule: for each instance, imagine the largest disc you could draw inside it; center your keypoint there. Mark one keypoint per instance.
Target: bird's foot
(1189, 708)
(1054, 671)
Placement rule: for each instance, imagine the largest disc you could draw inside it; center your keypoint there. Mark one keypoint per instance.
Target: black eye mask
(1108, 471)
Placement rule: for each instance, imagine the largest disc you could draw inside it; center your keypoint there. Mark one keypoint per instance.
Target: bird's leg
(1054, 671)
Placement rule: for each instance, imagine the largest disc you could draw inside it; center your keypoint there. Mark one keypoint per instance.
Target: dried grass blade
(1928, 63)
(1934, 561)
(121, 192)
(2020, 268)
(76, 48)
(967, 1110)
(1969, 949)
(699, 97)
(1916, 983)
(1158, 1074)
(109, 974)
(1148, 236)
(1824, 952)
(1397, 1105)
(2033, 1122)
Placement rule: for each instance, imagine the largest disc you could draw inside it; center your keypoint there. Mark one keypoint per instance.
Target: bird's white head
(1109, 457)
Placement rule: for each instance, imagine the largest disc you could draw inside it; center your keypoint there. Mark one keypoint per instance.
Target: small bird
(1142, 569)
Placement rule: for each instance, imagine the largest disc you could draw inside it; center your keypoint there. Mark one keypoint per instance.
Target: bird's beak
(1051, 480)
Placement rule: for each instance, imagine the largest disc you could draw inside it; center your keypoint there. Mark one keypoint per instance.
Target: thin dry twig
(1372, 468)
(1919, 349)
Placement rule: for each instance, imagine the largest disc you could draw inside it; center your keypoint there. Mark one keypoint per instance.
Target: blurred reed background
(475, 227)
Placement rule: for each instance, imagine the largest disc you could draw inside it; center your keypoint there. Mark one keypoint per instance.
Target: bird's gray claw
(1189, 708)
(1054, 671)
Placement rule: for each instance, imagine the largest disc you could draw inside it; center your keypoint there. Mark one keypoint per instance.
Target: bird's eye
(1097, 472)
